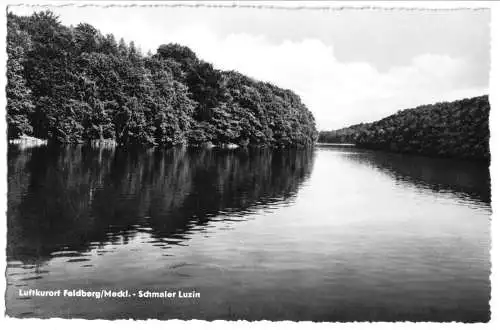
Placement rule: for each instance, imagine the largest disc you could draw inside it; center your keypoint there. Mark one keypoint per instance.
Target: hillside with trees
(75, 85)
(448, 129)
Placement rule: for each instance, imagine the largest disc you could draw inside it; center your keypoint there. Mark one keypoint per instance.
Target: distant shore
(458, 129)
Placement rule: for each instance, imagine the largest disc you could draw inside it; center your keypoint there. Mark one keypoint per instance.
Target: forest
(76, 85)
(458, 129)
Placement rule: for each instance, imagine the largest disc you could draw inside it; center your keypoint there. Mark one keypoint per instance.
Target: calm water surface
(330, 234)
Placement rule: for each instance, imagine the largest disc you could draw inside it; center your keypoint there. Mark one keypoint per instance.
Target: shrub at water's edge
(75, 85)
(448, 129)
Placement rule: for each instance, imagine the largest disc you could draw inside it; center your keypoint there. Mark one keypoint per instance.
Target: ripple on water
(26, 314)
(15, 274)
(68, 254)
(28, 266)
(178, 236)
(173, 241)
(14, 264)
(78, 260)
(31, 278)
(179, 265)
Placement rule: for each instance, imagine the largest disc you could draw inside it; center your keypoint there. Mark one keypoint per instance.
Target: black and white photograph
(227, 161)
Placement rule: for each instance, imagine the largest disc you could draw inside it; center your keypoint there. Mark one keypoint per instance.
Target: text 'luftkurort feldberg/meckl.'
(81, 293)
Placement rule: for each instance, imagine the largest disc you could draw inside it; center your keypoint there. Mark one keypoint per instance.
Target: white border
(8, 323)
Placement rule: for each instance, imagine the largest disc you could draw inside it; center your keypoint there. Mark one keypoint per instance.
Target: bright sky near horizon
(348, 66)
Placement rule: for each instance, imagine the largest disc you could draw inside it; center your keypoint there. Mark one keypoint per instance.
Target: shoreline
(335, 144)
(26, 141)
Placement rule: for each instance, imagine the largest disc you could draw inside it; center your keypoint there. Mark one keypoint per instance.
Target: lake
(328, 234)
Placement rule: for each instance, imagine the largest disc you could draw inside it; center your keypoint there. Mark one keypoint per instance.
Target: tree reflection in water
(78, 198)
(466, 179)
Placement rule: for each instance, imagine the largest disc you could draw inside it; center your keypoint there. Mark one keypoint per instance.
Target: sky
(348, 66)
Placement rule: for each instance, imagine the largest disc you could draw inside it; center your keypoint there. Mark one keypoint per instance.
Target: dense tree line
(448, 129)
(74, 84)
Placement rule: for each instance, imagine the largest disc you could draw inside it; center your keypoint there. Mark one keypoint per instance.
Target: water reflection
(67, 201)
(467, 180)
(367, 238)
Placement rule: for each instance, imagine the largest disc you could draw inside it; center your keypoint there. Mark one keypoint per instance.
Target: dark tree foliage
(19, 101)
(449, 129)
(73, 84)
